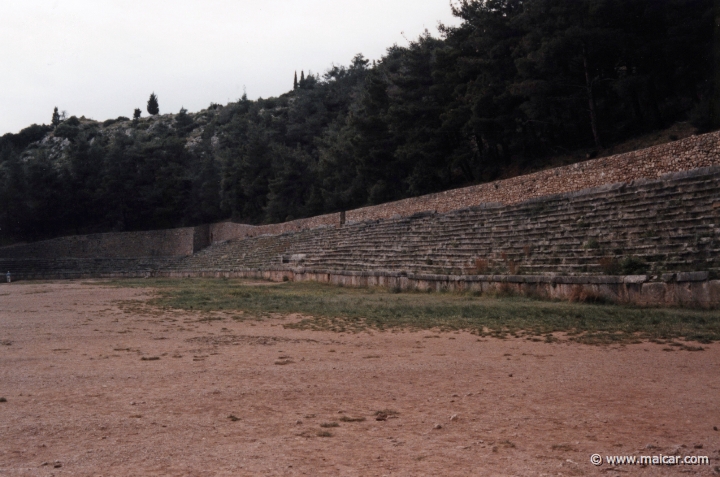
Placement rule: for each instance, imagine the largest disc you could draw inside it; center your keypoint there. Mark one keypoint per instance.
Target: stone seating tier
(648, 226)
(660, 226)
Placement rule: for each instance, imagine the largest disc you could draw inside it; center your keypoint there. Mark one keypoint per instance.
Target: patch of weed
(325, 307)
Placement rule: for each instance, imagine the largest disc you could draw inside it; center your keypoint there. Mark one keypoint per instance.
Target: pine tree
(152, 105)
(55, 117)
(295, 84)
(136, 114)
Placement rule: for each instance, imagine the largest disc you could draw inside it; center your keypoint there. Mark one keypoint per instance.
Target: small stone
(455, 395)
(437, 426)
(298, 422)
(510, 375)
(714, 428)
(454, 417)
(57, 465)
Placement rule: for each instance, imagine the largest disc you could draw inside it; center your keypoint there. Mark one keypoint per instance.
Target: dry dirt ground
(87, 396)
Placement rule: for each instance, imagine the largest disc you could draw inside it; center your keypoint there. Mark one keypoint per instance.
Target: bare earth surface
(83, 397)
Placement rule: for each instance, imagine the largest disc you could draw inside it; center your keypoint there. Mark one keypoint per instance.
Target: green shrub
(633, 266)
(72, 121)
(609, 266)
(183, 122)
(592, 243)
(25, 137)
(66, 131)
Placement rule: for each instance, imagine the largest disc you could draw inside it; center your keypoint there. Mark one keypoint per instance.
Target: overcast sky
(103, 58)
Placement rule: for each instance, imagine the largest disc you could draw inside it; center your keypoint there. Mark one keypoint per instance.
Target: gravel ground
(97, 384)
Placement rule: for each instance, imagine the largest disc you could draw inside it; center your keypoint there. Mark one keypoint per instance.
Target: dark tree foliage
(516, 83)
(66, 130)
(152, 105)
(55, 117)
(14, 211)
(183, 122)
(25, 137)
(137, 113)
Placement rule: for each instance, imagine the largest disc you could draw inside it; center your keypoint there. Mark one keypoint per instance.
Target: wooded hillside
(517, 83)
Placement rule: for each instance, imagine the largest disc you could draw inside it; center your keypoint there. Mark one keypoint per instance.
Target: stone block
(653, 293)
(692, 276)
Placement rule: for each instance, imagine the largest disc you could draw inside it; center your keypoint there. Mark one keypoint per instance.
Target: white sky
(103, 58)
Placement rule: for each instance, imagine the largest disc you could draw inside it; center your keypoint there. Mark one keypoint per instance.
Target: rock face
(55, 145)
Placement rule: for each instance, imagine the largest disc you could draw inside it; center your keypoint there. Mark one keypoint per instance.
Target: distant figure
(8, 276)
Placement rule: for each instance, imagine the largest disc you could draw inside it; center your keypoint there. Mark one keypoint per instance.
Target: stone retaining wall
(154, 243)
(693, 289)
(682, 289)
(224, 231)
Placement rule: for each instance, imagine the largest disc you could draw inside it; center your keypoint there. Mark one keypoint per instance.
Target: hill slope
(518, 86)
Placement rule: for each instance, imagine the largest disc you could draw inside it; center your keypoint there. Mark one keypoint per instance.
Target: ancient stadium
(528, 326)
(640, 227)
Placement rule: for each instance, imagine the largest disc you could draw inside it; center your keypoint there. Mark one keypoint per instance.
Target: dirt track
(85, 398)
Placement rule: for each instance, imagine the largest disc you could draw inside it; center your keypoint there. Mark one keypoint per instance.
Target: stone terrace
(654, 226)
(44, 268)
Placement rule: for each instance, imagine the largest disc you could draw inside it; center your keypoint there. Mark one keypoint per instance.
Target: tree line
(516, 83)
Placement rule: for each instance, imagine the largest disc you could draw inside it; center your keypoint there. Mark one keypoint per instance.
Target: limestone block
(692, 276)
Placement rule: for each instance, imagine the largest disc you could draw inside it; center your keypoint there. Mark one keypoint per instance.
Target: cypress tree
(302, 78)
(55, 117)
(295, 85)
(152, 105)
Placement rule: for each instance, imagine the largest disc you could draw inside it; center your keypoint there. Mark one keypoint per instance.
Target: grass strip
(327, 307)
